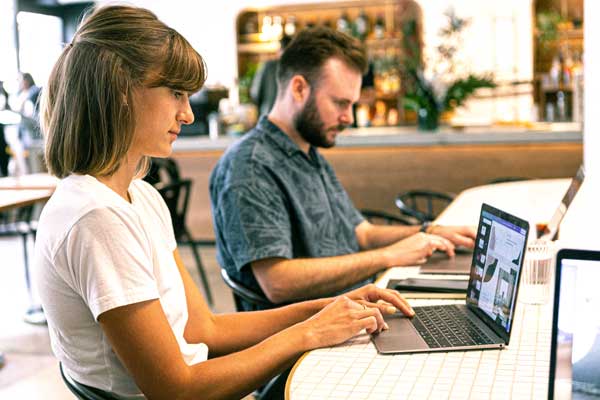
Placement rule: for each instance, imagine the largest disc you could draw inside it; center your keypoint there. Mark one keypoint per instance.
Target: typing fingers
(371, 312)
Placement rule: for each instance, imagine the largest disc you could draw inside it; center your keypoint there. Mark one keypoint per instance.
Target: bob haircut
(87, 109)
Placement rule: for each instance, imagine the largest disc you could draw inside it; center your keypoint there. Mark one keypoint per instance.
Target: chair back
(177, 195)
(423, 205)
(81, 391)
(383, 217)
(245, 298)
(163, 170)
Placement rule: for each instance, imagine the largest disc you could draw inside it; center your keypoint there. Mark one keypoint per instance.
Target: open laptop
(485, 321)
(551, 230)
(575, 352)
(440, 263)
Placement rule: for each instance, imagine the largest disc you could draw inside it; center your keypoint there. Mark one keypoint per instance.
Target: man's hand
(386, 300)
(458, 235)
(415, 249)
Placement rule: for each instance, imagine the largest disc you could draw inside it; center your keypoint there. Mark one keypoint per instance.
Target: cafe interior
(464, 103)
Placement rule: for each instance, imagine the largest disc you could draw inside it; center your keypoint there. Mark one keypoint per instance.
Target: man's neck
(283, 121)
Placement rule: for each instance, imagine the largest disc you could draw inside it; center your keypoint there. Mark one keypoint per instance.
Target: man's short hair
(312, 48)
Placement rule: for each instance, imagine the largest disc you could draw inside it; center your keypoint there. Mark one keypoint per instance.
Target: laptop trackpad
(401, 337)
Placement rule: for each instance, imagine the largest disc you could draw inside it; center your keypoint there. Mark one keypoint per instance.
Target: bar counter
(410, 136)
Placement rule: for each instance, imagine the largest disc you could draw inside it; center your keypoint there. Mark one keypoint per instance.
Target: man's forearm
(377, 236)
(291, 280)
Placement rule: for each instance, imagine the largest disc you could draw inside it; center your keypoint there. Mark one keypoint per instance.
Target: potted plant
(431, 94)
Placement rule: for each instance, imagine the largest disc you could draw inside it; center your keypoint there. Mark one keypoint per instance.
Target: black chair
(245, 298)
(18, 223)
(176, 195)
(423, 205)
(81, 391)
(163, 170)
(383, 217)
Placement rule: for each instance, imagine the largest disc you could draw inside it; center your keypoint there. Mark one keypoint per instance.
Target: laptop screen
(496, 267)
(575, 358)
(551, 229)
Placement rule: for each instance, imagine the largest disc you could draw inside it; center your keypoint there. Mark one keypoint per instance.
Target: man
(284, 224)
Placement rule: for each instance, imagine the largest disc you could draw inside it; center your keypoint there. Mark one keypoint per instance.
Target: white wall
(591, 130)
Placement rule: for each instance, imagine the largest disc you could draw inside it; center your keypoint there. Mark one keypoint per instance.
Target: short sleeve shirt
(95, 252)
(271, 199)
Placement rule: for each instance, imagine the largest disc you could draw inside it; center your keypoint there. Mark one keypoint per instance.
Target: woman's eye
(177, 94)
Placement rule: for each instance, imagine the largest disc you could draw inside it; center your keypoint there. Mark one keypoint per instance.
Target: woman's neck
(119, 181)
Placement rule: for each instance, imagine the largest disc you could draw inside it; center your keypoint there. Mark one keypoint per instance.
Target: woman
(123, 313)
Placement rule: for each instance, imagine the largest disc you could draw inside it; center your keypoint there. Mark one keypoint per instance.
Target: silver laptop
(575, 352)
(440, 263)
(485, 321)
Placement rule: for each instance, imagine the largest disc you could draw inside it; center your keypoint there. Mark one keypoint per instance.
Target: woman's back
(94, 252)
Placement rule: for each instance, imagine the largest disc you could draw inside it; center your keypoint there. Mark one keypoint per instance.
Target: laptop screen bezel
(563, 254)
(499, 330)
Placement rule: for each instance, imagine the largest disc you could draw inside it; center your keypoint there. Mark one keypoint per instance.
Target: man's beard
(310, 126)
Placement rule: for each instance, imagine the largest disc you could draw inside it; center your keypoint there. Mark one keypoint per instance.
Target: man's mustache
(339, 127)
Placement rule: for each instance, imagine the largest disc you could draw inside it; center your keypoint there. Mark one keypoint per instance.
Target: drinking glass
(537, 272)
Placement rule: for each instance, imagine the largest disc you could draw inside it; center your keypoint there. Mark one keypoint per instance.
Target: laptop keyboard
(447, 326)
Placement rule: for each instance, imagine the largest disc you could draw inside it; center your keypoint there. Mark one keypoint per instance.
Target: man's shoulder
(254, 149)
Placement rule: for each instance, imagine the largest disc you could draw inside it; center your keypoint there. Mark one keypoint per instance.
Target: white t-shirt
(94, 252)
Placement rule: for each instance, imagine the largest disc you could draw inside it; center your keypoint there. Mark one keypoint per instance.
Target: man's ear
(299, 88)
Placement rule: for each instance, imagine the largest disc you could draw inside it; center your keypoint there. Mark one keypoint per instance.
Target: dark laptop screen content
(495, 274)
(577, 348)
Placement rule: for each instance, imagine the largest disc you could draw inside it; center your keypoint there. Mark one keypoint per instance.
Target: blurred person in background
(27, 107)
(4, 148)
(264, 84)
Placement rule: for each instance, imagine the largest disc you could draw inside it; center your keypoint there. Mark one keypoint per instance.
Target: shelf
(258, 48)
(554, 88)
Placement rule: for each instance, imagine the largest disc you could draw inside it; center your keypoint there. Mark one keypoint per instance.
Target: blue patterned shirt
(270, 199)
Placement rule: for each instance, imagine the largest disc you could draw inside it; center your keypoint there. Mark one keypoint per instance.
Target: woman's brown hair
(88, 114)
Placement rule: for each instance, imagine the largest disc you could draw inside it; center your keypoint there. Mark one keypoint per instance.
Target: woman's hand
(386, 300)
(347, 315)
(340, 320)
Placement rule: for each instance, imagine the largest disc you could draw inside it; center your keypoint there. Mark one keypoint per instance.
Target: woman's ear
(299, 88)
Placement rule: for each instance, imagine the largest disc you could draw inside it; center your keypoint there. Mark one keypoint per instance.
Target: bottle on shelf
(554, 73)
(360, 27)
(290, 26)
(561, 107)
(277, 28)
(566, 69)
(343, 24)
(379, 27)
(577, 74)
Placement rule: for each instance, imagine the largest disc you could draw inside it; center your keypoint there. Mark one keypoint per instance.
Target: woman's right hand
(340, 320)
(415, 249)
